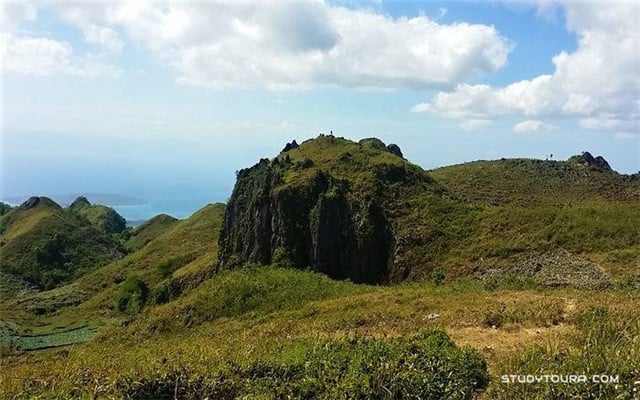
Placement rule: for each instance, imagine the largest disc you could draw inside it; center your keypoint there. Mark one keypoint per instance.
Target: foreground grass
(272, 333)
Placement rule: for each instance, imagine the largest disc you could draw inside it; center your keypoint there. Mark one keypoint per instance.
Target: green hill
(102, 217)
(45, 245)
(150, 230)
(533, 264)
(347, 209)
(359, 211)
(527, 182)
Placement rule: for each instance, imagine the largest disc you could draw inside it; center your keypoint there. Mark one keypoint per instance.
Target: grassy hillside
(519, 266)
(528, 208)
(45, 245)
(177, 260)
(151, 229)
(270, 332)
(526, 182)
(104, 218)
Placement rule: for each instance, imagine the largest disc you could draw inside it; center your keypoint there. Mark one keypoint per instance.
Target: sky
(165, 101)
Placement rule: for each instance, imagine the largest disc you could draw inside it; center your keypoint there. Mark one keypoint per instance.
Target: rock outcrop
(30, 203)
(327, 206)
(312, 225)
(587, 159)
(395, 149)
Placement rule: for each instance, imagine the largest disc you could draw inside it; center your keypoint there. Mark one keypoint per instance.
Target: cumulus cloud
(298, 45)
(474, 124)
(44, 57)
(532, 125)
(105, 37)
(599, 82)
(25, 54)
(13, 13)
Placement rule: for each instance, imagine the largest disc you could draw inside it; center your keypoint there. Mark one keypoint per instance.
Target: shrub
(437, 276)
(428, 365)
(132, 295)
(603, 344)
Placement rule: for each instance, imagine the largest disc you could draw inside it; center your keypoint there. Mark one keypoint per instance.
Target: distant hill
(149, 230)
(528, 182)
(110, 199)
(46, 245)
(102, 217)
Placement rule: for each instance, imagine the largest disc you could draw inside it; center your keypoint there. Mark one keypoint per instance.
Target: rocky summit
(328, 204)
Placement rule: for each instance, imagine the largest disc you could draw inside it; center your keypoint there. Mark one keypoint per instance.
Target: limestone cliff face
(328, 214)
(351, 210)
(314, 225)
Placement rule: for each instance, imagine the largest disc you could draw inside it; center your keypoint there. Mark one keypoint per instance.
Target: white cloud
(475, 124)
(43, 57)
(531, 126)
(14, 13)
(421, 107)
(599, 82)
(27, 54)
(298, 45)
(105, 37)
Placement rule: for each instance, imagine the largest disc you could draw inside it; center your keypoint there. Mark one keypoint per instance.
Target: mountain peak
(333, 205)
(36, 201)
(589, 160)
(80, 202)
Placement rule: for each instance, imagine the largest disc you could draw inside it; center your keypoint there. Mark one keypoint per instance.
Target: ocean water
(177, 205)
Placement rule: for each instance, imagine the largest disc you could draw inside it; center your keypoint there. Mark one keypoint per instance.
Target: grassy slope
(525, 182)
(271, 315)
(46, 245)
(150, 230)
(183, 253)
(535, 206)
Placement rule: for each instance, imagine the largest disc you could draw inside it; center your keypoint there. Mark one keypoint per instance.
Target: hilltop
(104, 218)
(46, 245)
(349, 210)
(529, 182)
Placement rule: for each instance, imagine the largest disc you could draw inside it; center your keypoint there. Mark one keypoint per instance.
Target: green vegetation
(4, 208)
(427, 365)
(104, 218)
(507, 267)
(150, 230)
(45, 245)
(39, 342)
(602, 345)
(525, 182)
(272, 331)
(132, 296)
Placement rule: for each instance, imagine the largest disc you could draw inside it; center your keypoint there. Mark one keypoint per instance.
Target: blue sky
(163, 101)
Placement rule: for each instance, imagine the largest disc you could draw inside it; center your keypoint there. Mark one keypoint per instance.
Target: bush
(428, 365)
(437, 276)
(603, 344)
(132, 296)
